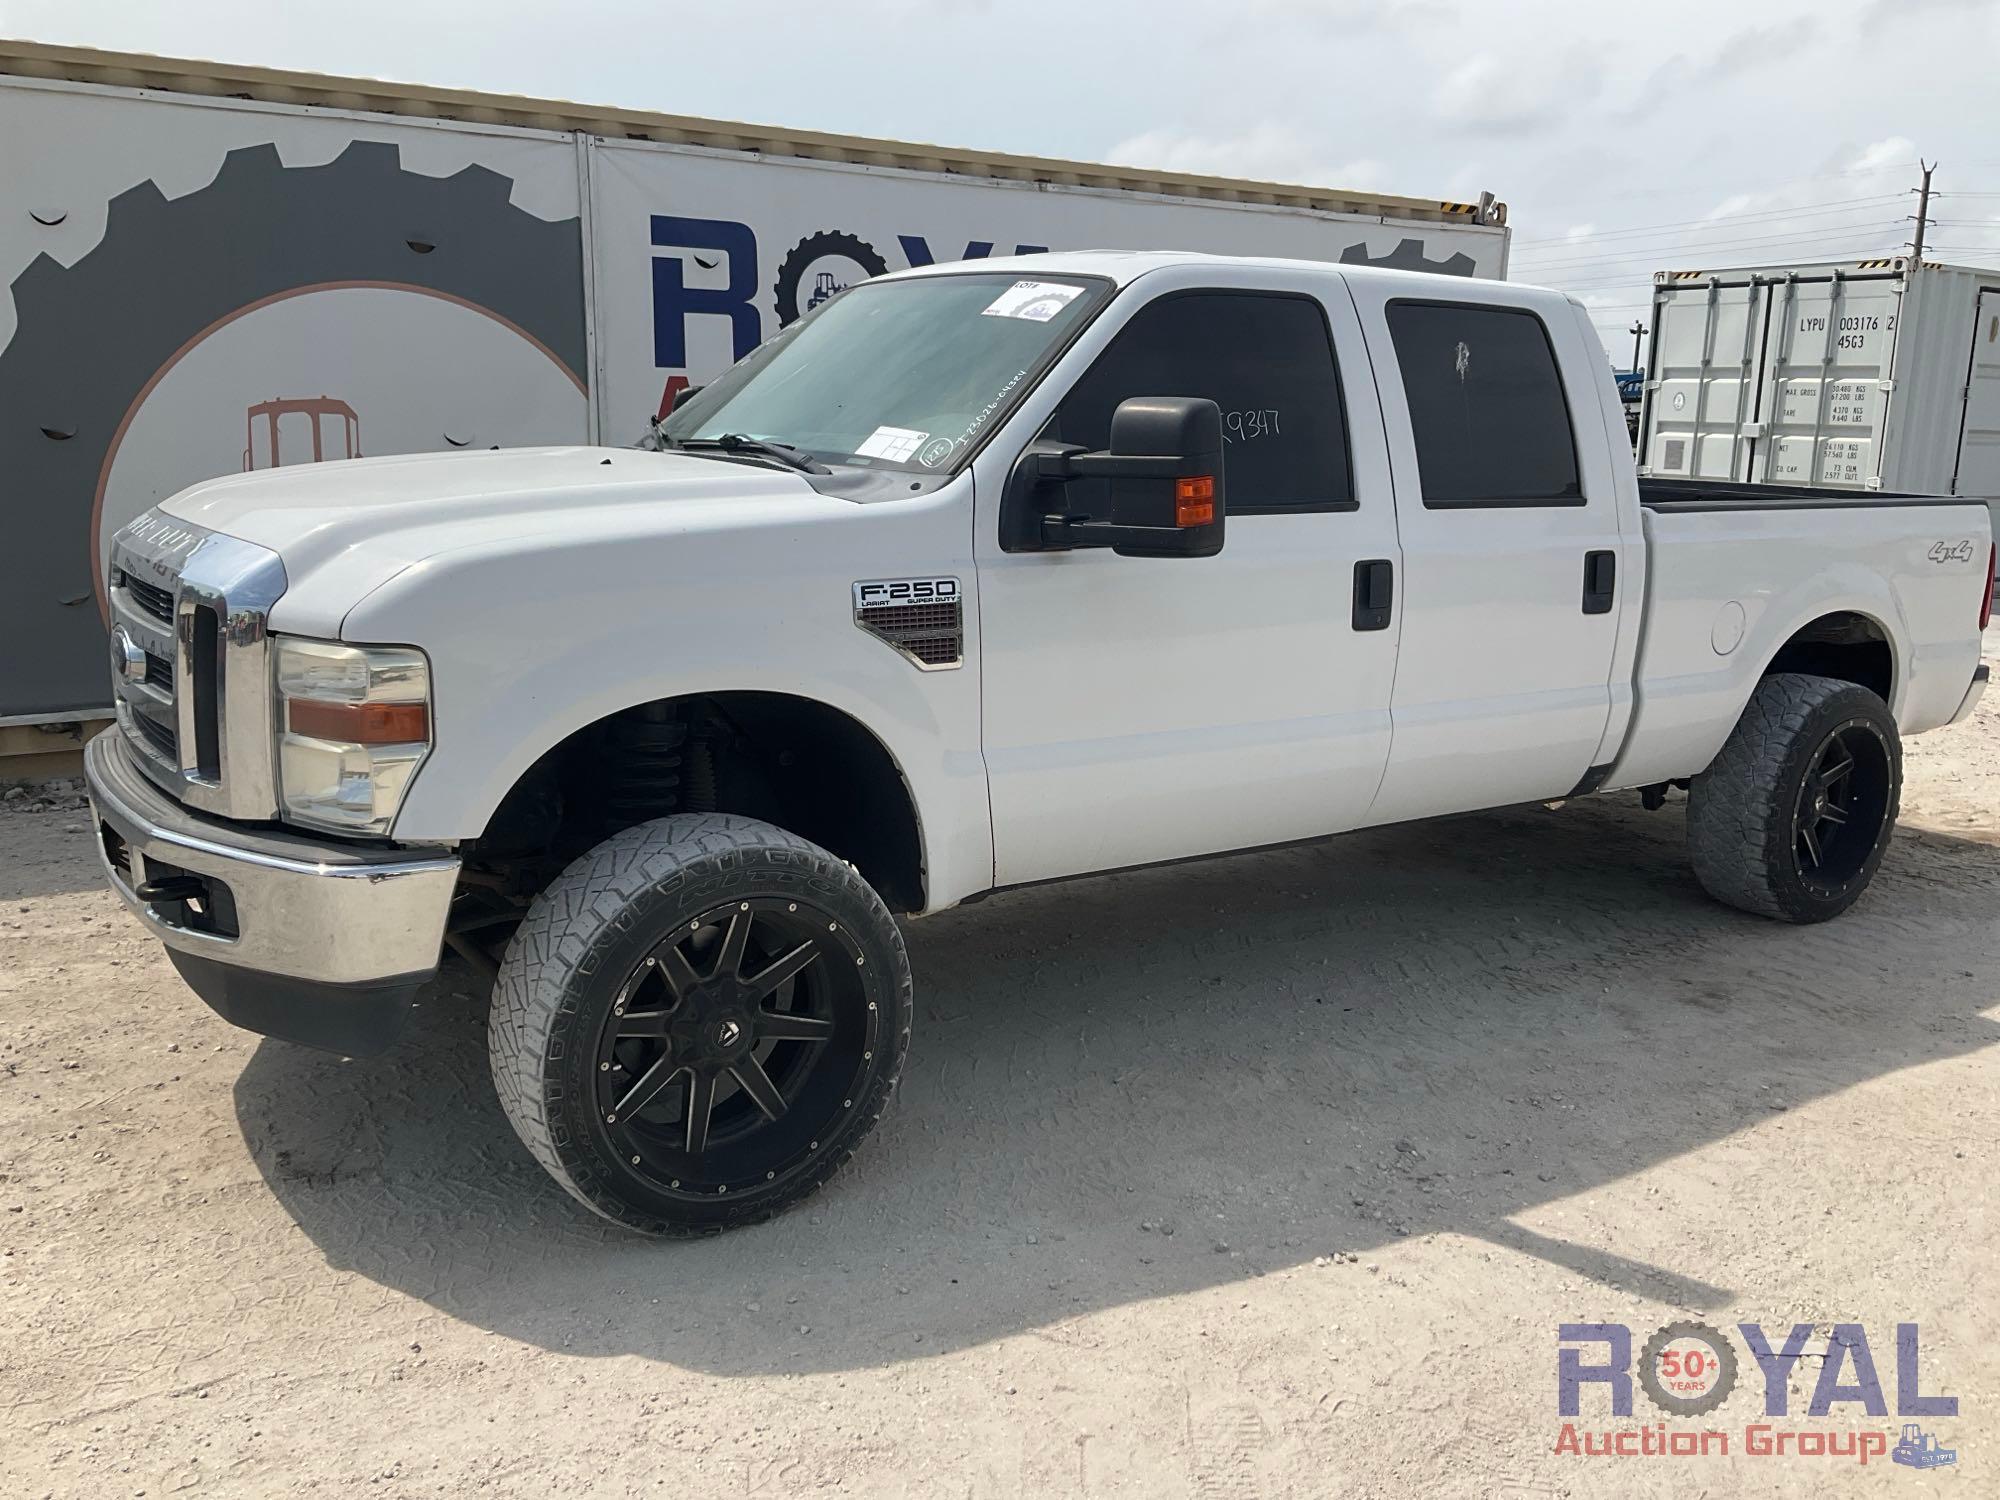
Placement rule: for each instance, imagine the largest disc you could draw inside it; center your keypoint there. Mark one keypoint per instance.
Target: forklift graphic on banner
(306, 420)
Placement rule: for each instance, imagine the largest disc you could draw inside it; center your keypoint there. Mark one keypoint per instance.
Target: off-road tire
(565, 966)
(1741, 833)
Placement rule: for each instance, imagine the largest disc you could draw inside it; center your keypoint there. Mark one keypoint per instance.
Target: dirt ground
(1266, 1176)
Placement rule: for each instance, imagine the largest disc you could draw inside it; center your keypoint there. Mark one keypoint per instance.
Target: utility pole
(1923, 212)
(1638, 331)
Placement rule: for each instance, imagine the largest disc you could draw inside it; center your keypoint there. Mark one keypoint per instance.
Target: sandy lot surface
(1261, 1177)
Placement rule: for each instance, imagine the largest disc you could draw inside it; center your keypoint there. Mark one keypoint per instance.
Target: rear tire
(1792, 818)
(699, 1021)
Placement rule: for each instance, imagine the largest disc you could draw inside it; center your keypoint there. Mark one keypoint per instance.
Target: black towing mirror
(1164, 473)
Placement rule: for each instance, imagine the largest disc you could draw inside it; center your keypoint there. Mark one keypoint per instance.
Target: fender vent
(921, 617)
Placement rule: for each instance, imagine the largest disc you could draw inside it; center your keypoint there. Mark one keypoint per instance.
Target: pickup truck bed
(1739, 585)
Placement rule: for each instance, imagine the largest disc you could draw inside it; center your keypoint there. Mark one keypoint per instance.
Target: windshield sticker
(897, 444)
(935, 452)
(1037, 301)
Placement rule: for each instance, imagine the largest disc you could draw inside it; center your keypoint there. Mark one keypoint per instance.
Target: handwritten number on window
(1247, 426)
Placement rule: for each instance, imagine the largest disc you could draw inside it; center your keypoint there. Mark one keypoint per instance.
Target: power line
(1653, 255)
(1710, 248)
(1680, 241)
(1875, 171)
(1836, 206)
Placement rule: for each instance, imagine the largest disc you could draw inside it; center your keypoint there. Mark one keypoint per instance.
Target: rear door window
(1487, 408)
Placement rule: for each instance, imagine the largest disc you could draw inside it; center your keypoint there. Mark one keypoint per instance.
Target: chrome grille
(150, 598)
(189, 611)
(157, 735)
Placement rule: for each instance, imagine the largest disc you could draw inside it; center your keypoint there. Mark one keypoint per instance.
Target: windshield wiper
(737, 442)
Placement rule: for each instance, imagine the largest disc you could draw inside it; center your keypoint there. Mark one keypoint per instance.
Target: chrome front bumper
(295, 937)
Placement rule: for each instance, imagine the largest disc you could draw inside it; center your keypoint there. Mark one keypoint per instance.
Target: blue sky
(1625, 138)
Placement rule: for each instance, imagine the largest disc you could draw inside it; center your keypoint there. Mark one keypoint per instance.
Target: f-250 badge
(1944, 552)
(920, 617)
(917, 591)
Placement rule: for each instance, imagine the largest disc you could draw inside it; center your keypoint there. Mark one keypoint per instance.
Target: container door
(1978, 469)
(1827, 363)
(1706, 372)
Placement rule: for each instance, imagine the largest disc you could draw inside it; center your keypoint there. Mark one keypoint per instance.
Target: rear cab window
(1487, 407)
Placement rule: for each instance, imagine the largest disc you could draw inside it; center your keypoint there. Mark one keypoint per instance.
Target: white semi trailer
(218, 268)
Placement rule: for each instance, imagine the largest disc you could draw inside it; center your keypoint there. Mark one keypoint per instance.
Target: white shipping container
(1874, 375)
(213, 267)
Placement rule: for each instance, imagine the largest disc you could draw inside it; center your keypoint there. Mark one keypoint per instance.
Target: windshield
(895, 374)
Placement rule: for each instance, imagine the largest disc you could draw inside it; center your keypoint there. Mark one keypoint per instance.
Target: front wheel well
(795, 762)
(1844, 645)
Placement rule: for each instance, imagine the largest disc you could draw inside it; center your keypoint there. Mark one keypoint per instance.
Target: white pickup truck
(976, 576)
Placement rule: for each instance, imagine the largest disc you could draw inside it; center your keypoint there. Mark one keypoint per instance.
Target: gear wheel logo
(95, 338)
(834, 259)
(1409, 256)
(1687, 1381)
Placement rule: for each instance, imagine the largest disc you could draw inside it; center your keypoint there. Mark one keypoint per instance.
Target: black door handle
(1600, 581)
(1374, 593)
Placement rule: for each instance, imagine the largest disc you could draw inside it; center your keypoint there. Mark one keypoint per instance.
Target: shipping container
(1873, 375)
(218, 268)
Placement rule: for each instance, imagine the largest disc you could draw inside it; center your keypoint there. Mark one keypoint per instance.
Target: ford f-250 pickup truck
(975, 576)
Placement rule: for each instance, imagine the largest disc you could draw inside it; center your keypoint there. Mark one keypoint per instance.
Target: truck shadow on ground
(1434, 1028)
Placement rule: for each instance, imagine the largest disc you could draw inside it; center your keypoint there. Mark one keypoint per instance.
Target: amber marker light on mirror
(1194, 501)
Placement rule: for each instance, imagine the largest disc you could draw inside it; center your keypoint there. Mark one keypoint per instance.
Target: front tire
(699, 1021)
(1794, 815)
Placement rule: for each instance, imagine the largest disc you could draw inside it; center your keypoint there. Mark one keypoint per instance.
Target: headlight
(354, 723)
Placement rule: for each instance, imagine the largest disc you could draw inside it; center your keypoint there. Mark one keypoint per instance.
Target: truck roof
(1125, 266)
(89, 65)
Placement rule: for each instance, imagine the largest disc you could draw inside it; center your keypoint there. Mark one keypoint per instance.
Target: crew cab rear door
(1512, 575)
(1141, 709)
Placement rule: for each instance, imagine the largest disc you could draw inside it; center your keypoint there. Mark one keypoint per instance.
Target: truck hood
(345, 528)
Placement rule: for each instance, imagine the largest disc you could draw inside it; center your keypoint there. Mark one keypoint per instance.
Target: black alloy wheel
(1842, 803)
(734, 1045)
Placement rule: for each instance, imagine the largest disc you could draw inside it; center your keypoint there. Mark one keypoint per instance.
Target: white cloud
(1894, 151)
(1514, 94)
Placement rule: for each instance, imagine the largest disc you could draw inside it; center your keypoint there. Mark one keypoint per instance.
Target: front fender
(590, 627)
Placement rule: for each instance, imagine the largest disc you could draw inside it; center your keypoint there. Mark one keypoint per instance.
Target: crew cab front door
(1144, 709)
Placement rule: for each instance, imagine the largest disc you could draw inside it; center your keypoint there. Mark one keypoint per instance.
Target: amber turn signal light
(360, 723)
(1194, 501)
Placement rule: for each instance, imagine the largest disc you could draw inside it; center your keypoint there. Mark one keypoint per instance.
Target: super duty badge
(921, 617)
